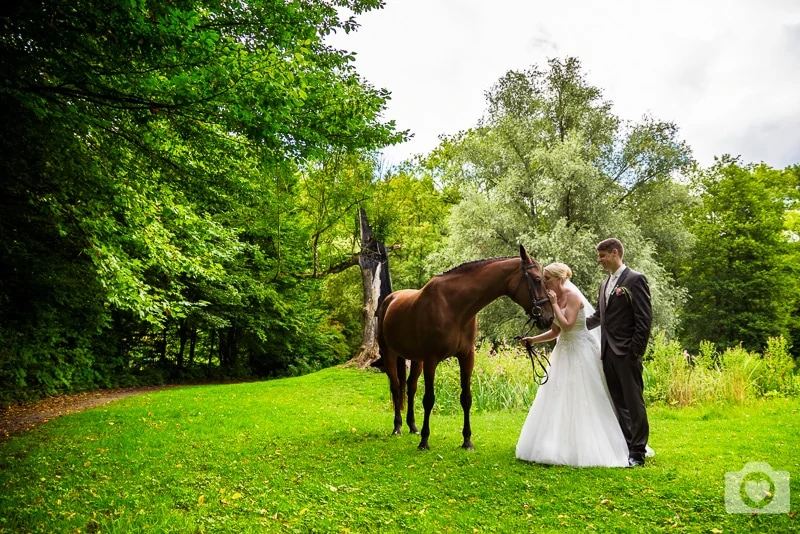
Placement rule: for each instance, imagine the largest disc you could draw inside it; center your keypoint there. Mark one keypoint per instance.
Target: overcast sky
(727, 72)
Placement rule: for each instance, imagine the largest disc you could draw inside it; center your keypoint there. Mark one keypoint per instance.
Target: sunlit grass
(315, 454)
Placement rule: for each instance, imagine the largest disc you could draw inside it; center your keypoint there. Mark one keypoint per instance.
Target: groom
(624, 314)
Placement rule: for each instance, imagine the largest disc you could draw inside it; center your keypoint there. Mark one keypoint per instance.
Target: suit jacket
(625, 318)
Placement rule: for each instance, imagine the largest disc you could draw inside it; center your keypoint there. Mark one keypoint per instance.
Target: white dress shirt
(612, 280)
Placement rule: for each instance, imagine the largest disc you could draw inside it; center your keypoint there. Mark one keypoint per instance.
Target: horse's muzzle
(543, 324)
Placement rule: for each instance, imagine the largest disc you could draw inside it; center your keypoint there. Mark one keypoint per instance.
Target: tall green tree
(150, 153)
(550, 166)
(742, 278)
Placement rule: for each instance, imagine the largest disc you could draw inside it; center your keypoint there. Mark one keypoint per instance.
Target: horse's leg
(427, 401)
(465, 364)
(392, 367)
(413, 380)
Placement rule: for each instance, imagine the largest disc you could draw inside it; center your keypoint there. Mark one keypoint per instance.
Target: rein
(535, 312)
(539, 360)
(536, 358)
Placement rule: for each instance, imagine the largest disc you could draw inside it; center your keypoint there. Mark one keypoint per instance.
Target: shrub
(739, 369)
(503, 380)
(777, 375)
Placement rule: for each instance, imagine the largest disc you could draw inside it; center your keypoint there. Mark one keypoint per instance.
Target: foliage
(346, 295)
(316, 453)
(329, 193)
(503, 378)
(676, 377)
(545, 167)
(743, 277)
(151, 210)
(410, 211)
(407, 213)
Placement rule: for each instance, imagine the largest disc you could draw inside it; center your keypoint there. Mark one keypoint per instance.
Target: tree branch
(341, 266)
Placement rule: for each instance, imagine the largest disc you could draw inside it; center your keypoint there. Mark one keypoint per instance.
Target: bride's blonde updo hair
(559, 270)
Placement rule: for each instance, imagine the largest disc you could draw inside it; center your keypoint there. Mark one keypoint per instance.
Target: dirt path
(23, 417)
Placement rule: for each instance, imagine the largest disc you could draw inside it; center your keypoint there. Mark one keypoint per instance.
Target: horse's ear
(524, 254)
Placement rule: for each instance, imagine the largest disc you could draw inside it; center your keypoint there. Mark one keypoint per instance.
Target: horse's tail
(400, 363)
(382, 351)
(381, 313)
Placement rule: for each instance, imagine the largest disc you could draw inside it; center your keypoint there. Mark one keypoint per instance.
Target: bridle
(539, 361)
(536, 305)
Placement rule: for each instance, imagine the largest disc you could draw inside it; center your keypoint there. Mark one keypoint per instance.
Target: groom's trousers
(626, 386)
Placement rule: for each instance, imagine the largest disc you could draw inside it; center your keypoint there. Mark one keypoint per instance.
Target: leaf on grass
(201, 499)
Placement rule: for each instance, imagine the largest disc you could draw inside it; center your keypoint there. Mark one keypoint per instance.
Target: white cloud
(725, 71)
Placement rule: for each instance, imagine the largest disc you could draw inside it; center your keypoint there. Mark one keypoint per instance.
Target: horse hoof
(396, 432)
(424, 447)
(413, 430)
(468, 446)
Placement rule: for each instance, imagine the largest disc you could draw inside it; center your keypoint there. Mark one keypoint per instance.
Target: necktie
(610, 285)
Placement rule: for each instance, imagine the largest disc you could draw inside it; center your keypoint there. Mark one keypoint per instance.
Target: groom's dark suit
(625, 319)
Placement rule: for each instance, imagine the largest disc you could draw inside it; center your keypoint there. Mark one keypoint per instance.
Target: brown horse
(431, 324)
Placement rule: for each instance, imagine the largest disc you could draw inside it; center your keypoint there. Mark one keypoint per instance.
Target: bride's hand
(553, 298)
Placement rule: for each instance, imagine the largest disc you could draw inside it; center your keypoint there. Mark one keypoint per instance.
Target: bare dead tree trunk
(377, 284)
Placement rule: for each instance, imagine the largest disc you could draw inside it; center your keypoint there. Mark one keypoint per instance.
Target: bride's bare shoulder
(574, 298)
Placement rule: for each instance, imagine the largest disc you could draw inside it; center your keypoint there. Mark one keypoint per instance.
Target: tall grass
(503, 378)
(675, 377)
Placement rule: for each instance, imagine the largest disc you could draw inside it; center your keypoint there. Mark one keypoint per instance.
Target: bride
(572, 420)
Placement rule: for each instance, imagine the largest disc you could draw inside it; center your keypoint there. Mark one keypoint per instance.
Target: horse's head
(531, 293)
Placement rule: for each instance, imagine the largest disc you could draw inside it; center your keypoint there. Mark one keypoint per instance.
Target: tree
(742, 276)
(545, 167)
(408, 213)
(150, 153)
(377, 284)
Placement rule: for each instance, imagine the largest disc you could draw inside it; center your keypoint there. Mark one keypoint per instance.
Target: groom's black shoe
(633, 462)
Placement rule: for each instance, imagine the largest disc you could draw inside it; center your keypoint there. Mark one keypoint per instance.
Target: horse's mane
(472, 265)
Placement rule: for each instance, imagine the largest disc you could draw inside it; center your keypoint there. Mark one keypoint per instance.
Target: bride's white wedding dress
(572, 420)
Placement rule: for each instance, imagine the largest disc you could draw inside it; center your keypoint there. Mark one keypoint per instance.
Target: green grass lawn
(315, 454)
